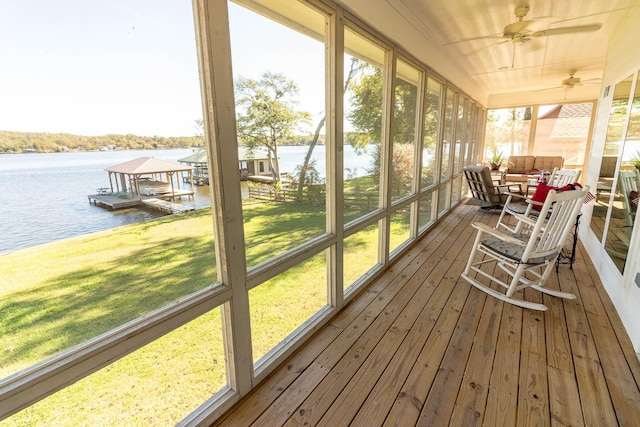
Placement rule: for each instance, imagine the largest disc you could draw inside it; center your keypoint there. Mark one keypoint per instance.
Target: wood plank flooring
(420, 346)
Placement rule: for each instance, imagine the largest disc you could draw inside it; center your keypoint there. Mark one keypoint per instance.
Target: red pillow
(540, 195)
(542, 190)
(633, 198)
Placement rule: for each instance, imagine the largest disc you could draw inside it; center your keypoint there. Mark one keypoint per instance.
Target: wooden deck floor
(420, 346)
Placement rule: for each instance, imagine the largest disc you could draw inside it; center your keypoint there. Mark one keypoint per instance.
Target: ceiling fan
(521, 31)
(571, 82)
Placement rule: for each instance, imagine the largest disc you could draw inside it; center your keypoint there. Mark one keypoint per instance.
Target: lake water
(44, 196)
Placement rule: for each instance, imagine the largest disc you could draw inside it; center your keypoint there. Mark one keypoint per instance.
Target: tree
(266, 114)
(366, 117)
(305, 166)
(366, 105)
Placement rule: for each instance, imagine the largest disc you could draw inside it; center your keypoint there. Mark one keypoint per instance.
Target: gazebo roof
(199, 156)
(244, 154)
(144, 165)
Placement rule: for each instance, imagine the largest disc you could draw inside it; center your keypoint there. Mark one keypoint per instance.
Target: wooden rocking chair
(483, 188)
(528, 258)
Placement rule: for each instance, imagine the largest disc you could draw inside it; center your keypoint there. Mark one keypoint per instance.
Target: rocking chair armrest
(526, 219)
(484, 228)
(534, 202)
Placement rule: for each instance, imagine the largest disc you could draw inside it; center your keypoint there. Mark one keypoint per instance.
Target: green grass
(58, 295)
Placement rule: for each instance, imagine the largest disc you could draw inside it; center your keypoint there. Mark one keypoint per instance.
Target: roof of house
(572, 120)
(244, 154)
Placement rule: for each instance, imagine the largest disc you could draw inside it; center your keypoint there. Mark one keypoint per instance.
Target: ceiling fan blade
(567, 30)
(531, 45)
(516, 27)
(470, 39)
(549, 88)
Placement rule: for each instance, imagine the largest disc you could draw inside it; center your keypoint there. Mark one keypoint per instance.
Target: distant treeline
(35, 142)
(26, 142)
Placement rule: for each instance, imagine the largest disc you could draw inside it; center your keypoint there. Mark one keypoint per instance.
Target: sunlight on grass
(400, 228)
(360, 254)
(282, 304)
(157, 385)
(58, 295)
(61, 294)
(274, 228)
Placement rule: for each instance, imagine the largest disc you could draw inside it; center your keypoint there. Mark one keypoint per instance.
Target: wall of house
(623, 59)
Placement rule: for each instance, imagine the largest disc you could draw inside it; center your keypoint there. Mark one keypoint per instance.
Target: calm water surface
(44, 196)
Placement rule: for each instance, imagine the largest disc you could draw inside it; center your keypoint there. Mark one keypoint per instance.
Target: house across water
(254, 165)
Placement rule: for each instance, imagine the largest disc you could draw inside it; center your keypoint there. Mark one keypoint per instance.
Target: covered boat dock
(145, 181)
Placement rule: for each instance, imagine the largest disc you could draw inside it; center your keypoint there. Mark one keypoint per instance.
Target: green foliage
(267, 113)
(25, 142)
(311, 174)
(366, 105)
(497, 157)
(366, 117)
(404, 112)
(431, 120)
(505, 127)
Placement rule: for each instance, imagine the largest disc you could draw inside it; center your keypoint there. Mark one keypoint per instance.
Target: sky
(129, 66)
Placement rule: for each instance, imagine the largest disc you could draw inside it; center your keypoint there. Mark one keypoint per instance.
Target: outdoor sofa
(522, 168)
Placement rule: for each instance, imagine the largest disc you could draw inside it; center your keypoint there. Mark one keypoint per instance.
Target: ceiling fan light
(571, 81)
(516, 28)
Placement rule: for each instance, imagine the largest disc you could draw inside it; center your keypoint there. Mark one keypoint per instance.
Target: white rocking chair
(626, 184)
(527, 258)
(519, 204)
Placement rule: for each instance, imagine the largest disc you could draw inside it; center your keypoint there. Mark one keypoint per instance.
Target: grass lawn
(58, 295)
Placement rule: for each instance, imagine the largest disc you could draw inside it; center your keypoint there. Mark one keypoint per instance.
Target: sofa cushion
(547, 163)
(520, 164)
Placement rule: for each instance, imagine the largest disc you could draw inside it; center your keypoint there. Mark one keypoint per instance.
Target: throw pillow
(633, 198)
(540, 195)
(542, 190)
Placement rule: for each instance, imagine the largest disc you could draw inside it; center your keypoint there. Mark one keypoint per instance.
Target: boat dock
(166, 206)
(114, 203)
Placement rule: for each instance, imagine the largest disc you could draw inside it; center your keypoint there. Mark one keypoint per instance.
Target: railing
(313, 195)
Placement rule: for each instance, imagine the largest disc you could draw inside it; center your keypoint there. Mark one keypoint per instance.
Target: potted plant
(496, 160)
(636, 160)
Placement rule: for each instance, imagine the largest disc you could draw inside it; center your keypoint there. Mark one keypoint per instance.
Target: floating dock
(114, 203)
(166, 206)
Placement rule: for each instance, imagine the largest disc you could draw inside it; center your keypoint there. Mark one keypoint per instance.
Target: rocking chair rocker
(528, 258)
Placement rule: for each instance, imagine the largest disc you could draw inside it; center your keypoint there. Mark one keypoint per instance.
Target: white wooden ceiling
(470, 34)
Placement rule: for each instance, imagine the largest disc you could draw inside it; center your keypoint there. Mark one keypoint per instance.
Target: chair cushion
(481, 185)
(519, 208)
(513, 251)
